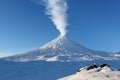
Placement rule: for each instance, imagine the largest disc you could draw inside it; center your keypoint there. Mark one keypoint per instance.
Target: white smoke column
(57, 11)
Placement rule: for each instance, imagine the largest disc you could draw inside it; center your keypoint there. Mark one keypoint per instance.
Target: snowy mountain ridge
(64, 50)
(95, 74)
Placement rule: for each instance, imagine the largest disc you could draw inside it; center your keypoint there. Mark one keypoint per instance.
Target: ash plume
(56, 9)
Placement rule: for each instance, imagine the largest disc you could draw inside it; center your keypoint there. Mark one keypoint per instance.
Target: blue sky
(24, 26)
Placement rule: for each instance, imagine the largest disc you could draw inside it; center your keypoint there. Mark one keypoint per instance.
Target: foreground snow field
(42, 70)
(95, 74)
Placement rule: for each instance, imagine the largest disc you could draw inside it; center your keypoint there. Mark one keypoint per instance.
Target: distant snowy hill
(64, 50)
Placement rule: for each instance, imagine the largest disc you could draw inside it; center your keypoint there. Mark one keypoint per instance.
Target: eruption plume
(56, 9)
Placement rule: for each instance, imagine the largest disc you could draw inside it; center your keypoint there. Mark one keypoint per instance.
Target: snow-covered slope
(64, 50)
(95, 74)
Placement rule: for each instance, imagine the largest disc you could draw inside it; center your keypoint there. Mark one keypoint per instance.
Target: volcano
(56, 59)
(64, 50)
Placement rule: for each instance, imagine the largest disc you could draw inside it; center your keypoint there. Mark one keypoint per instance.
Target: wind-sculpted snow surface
(95, 74)
(64, 50)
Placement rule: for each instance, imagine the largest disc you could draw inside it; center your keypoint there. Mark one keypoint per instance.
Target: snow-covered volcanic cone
(66, 56)
(64, 50)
